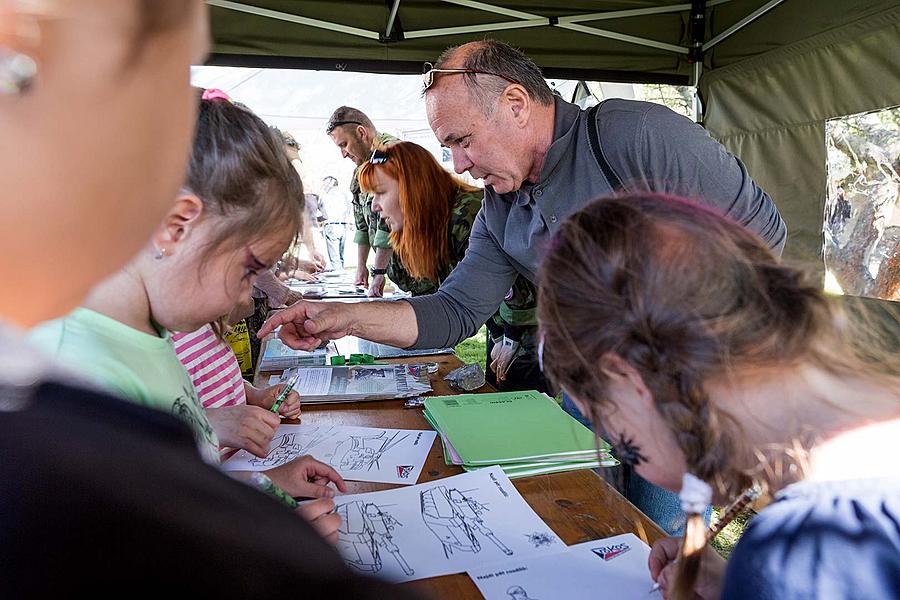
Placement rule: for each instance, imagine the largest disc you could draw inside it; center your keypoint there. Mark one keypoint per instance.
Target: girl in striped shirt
(238, 411)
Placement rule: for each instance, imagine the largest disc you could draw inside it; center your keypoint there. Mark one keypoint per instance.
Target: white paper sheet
(440, 527)
(614, 567)
(357, 453)
(313, 381)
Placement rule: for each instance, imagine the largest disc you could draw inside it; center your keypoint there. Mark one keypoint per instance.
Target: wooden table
(579, 505)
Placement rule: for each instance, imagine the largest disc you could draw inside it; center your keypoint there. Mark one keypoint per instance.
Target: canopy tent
(770, 72)
(603, 40)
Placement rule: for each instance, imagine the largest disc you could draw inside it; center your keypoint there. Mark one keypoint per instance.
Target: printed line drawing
(288, 449)
(365, 530)
(540, 538)
(350, 453)
(358, 453)
(516, 592)
(454, 518)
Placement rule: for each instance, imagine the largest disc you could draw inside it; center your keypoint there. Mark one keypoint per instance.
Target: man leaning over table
(541, 159)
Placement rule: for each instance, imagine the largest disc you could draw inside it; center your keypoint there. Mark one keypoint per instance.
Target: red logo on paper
(403, 471)
(610, 552)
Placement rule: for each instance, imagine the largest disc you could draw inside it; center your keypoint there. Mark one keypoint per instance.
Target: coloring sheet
(614, 567)
(440, 527)
(357, 453)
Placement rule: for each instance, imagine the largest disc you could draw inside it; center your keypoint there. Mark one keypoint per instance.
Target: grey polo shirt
(648, 146)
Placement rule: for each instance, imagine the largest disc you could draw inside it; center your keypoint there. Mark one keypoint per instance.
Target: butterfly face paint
(627, 452)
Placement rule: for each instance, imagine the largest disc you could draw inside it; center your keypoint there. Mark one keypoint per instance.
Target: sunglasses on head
(428, 76)
(332, 125)
(379, 156)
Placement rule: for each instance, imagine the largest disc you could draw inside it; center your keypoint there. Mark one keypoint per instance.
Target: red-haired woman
(430, 213)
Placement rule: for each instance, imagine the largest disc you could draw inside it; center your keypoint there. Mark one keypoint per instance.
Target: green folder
(516, 470)
(511, 427)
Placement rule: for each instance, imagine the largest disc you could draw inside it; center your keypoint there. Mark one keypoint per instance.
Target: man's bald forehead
(455, 58)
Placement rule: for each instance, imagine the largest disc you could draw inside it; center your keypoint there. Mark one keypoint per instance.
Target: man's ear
(363, 135)
(622, 373)
(519, 104)
(178, 223)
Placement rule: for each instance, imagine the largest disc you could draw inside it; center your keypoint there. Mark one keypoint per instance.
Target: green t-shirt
(137, 366)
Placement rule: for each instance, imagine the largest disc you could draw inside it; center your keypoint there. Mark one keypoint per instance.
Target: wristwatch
(373, 271)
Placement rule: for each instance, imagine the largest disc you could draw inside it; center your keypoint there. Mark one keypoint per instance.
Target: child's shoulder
(819, 536)
(103, 351)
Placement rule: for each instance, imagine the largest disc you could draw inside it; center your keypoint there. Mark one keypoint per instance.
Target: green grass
(724, 542)
(472, 350)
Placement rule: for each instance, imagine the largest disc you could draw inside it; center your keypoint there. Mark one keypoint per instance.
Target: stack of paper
(525, 433)
(323, 385)
(278, 357)
(348, 345)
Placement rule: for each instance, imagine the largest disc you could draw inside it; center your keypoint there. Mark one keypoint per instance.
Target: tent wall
(770, 111)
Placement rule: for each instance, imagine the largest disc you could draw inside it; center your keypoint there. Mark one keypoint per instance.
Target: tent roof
(607, 40)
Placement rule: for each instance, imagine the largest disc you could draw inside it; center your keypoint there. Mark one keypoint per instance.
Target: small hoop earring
(17, 72)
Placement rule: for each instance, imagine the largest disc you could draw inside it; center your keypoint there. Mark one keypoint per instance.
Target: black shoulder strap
(594, 137)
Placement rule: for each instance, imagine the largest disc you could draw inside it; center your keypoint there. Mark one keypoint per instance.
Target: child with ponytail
(714, 367)
(236, 214)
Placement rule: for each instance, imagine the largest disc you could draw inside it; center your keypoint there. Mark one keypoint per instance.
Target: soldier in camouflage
(355, 134)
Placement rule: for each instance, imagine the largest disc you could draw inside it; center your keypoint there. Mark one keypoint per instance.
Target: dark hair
(501, 58)
(684, 294)
(239, 169)
(349, 116)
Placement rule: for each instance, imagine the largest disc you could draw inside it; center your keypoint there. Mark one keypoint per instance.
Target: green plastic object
(353, 359)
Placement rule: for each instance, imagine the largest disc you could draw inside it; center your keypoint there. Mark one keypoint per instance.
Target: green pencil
(284, 393)
(264, 484)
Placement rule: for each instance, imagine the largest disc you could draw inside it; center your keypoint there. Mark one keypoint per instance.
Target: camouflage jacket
(462, 217)
(517, 317)
(516, 314)
(371, 230)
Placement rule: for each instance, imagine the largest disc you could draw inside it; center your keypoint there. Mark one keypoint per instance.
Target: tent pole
(390, 23)
(423, 33)
(290, 18)
(698, 107)
(698, 34)
(742, 23)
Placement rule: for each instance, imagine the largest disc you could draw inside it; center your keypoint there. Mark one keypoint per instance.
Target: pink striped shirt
(212, 367)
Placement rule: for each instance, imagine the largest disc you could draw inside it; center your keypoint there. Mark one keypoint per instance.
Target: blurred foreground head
(96, 110)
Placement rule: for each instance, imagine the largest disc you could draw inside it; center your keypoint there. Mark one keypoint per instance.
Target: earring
(17, 72)
(160, 253)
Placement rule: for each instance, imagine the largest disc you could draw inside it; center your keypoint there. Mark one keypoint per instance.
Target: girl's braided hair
(682, 294)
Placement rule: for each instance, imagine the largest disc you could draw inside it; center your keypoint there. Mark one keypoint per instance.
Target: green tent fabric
(272, 39)
(771, 110)
(773, 71)
(603, 40)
